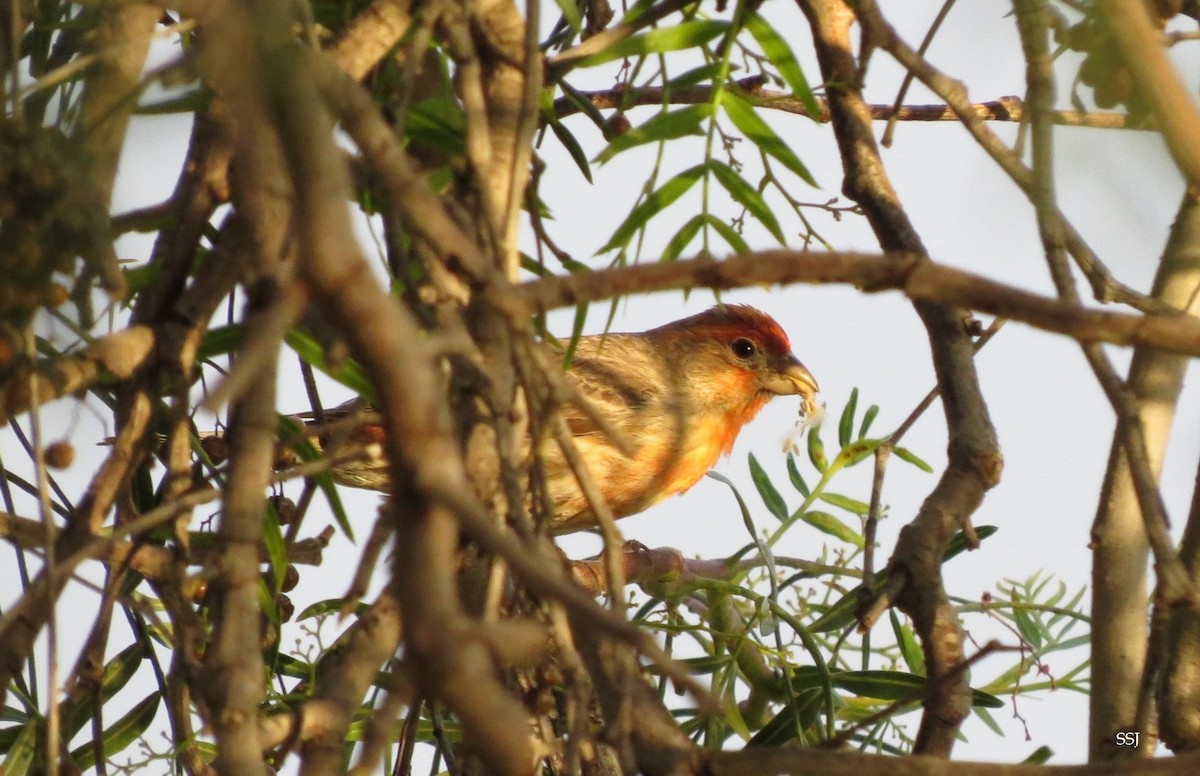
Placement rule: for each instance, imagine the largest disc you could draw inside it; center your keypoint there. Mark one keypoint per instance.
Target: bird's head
(743, 355)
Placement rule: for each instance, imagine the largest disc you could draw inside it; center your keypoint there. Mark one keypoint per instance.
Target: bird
(677, 396)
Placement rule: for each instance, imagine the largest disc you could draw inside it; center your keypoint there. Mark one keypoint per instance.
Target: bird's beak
(793, 379)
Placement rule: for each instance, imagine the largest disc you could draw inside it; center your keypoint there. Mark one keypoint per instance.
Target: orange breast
(708, 438)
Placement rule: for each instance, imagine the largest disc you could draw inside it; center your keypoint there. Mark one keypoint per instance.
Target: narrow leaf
(652, 205)
(664, 126)
(990, 721)
(853, 505)
(794, 475)
(816, 450)
(793, 719)
(747, 196)
(747, 120)
(868, 418)
(766, 489)
(732, 238)
(846, 423)
(682, 238)
(843, 613)
(904, 454)
(855, 452)
(1027, 625)
(694, 76)
(780, 54)
(828, 524)
(573, 148)
(124, 732)
(349, 373)
(906, 640)
(686, 35)
(21, 752)
(959, 542)
(570, 12)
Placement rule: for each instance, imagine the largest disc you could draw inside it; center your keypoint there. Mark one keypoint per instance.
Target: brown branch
(369, 37)
(1142, 48)
(881, 34)
(668, 572)
(918, 280)
(119, 354)
(121, 42)
(974, 460)
(819, 762)
(1004, 109)
(450, 657)
(1134, 463)
(558, 66)
(349, 669)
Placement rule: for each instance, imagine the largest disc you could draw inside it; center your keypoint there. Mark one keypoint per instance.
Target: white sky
(1119, 188)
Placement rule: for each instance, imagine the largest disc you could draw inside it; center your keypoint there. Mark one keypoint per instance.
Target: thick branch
(1004, 109)
(918, 280)
(1144, 51)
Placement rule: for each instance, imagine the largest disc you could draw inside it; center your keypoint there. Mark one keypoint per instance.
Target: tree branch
(918, 280)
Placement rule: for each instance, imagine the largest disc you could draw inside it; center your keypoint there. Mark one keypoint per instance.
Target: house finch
(678, 394)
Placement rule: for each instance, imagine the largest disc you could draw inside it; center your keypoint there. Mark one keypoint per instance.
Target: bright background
(1120, 190)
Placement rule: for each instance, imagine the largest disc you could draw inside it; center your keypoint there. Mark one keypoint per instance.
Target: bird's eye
(743, 348)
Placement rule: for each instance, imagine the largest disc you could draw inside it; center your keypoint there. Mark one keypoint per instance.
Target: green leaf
(694, 76)
(1026, 625)
(570, 12)
(794, 475)
(990, 721)
(9, 714)
(906, 640)
(904, 454)
(685, 35)
(770, 496)
(828, 524)
(652, 205)
(897, 685)
(121, 733)
(438, 122)
(292, 431)
(780, 54)
(750, 124)
(573, 148)
(1039, 756)
(732, 238)
(21, 751)
(682, 238)
(582, 103)
(219, 341)
(853, 505)
(816, 450)
(844, 612)
(868, 419)
(846, 423)
(959, 542)
(856, 452)
(802, 713)
(349, 374)
(664, 126)
(708, 664)
(117, 673)
(276, 547)
(746, 196)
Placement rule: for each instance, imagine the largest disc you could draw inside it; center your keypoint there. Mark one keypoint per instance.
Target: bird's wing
(608, 376)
